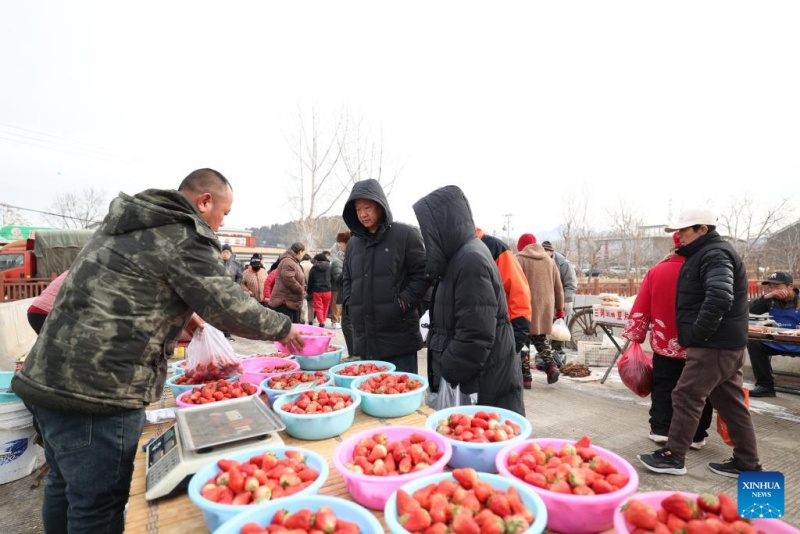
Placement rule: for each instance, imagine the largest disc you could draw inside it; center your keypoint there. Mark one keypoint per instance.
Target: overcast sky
(522, 104)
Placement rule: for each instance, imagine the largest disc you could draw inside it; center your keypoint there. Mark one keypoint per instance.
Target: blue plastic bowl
(326, 360)
(215, 514)
(177, 389)
(532, 501)
(396, 405)
(273, 394)
(178, 366)
(5, 384)
(346, 381)
(318, 426)
(479, 456)
(347, 510)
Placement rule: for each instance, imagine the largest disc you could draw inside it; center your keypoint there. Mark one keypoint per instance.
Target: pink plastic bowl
(577, 514)
(315, 344)
(181, 404)
(252, 366)
(654, 498)
(374, 491)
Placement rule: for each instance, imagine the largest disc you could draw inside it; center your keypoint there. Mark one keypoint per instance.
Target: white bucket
(17, 454)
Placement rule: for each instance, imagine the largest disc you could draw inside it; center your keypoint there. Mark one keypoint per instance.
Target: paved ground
(614, 417)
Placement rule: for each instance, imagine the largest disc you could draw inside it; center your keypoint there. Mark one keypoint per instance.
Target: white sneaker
(697, 445)
(337, 326)
(658, 438)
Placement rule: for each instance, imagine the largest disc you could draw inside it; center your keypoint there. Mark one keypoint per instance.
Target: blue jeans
(91, 466)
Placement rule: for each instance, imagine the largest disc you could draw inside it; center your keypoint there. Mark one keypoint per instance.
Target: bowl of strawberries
(390, 394)
(290, 381)
(583, 482)
(375, 462)
(254, 370)
(465, 500)
(250, 478)
(217, 391)
(345, 373)
(318, 413)
(478, 433)
(312, 513)
(315, 340)
(678, 511)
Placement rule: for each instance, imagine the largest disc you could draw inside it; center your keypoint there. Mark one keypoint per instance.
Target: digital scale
(203, 435)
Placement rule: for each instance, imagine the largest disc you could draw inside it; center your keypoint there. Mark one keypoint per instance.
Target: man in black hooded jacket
(382, 279)
(471, 340)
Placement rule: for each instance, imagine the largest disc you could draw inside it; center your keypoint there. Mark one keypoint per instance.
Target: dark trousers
(714, 374)
(542, 345)
(666, 372)
(761, 361)
(294, 315)
(406, 363)
(347, 331)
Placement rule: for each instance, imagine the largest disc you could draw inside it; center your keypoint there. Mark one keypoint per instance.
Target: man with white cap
(711, 314)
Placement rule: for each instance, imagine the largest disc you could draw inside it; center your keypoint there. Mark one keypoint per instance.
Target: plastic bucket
(17, 454)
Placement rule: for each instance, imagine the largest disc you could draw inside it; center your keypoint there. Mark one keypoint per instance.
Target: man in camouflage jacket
(102, 354)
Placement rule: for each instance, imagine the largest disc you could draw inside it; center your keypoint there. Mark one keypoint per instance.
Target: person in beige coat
(547, 302)
(289, 291)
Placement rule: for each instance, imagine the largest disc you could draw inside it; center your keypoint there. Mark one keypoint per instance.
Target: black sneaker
(731, 468)
(761, 391)
(552, 374)
(663, 461)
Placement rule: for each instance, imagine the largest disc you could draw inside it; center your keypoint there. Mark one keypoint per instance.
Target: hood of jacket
(153, 208)
(534, 251)
(366, 190)
(445, 221)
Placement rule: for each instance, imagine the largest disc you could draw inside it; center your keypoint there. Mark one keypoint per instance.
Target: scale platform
(203, 435)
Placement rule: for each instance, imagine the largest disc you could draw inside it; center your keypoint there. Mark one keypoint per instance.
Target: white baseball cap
(692, 216)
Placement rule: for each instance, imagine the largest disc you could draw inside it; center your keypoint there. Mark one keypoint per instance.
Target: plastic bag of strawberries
(210, 356)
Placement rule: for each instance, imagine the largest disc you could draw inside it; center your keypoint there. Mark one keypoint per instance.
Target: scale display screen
(161, 446)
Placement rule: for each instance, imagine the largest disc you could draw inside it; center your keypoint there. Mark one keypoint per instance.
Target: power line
(47, 213)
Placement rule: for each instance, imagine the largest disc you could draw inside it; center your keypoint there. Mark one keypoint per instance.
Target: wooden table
(181, 515)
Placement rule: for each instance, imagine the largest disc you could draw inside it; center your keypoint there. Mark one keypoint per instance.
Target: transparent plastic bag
(449, 396)
(636, 369)
(560, 332)
(210, 356)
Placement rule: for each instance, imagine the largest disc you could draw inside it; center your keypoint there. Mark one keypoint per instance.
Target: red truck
(49, 253)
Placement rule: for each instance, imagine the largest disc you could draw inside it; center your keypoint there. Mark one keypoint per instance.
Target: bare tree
(363, 156)
(747, 226)
(82, 210)
(10, 216)
(581, 243)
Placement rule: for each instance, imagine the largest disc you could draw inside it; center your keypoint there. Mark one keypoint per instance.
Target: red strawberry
(675, 523)
(464, 523)
(708, 502)
(639, 514)
(698, 526)
(406, 504)
(437, 528)
(517, 506)
(728, 509)
(440, 509)
(416, 521)
(466, 476)
(299, 519)
(325, 519)
(489, 522)
(252, 528)
(242, 498)
(498, 504)
(681, 506)
(741, 526)
(585, 441)
(346, 527)
(516, 523)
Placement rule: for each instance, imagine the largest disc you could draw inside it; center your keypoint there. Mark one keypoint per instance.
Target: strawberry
(681, 506)
(728, 509)
(675, 523)
(424, 495)
(346, 527)
(262, 494)
(252, 528)
(299, 519)
(464, 523)
(242, 498)
(741, 526)
(290, 490)
(235, 480)
(466, 476)
(280, 517)
(708, 502)
(416, 521)
(498, 504)
(490, 523)
(437, 528)
(585, 441)
(640, 514)
(600, 486)
(440, 509)
(482, 489)
(517, 506)
(698, 526)
(325, 520)
(515, 524)
(617, 480)
(406, 503)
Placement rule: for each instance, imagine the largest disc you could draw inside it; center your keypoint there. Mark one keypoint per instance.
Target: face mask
(255, 266)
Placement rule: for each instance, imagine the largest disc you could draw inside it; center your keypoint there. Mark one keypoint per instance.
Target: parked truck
(47, 254)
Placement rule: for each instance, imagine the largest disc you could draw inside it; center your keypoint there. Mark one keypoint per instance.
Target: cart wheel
(582, 328)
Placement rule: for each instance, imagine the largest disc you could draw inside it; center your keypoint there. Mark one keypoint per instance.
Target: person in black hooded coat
(471, 340)
(382, 279)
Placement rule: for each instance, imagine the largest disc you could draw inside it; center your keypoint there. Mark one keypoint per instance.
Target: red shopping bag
(636, 369)
(722, 428)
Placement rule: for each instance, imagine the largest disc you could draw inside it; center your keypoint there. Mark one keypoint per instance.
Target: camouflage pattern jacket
(129, 294)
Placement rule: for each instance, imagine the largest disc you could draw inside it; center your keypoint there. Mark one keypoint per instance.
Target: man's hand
(293, 341)
(194, 323)
(780, 294)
